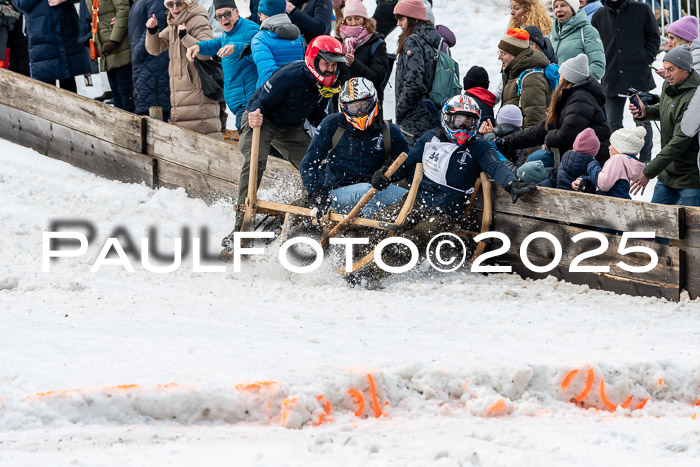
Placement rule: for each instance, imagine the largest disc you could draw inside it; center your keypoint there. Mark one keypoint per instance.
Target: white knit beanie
(574, 4)
(628, 141)
(575, 70)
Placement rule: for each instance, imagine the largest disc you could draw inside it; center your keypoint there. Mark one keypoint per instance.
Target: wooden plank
(595, 210)
(692, 227)
(78, 149)
(197, 184)
(206, 155)
(666, 276)
(71, 110)
(691, 246)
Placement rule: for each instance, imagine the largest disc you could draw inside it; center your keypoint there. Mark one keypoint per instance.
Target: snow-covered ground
(192, 368)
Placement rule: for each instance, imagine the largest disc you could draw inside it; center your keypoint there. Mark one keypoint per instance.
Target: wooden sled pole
(251, 200)
(362, 203)
(487, 216)
(400, 219)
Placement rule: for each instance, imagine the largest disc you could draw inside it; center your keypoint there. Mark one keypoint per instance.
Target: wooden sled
(333, 223)
(482, 182)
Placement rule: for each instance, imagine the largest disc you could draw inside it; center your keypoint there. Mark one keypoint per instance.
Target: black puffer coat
(149, 72)
(580, 107)
(373, 66)
(415, 72)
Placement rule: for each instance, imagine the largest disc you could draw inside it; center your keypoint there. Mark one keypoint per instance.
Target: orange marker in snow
(375, 400)
(567, 379)
(641, 405)
(589, 385)
(326, 409)
(359, 400)
(498, 408)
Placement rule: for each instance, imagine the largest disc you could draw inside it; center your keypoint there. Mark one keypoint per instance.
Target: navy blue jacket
(289, 97)
(573, 165)
(447, 183)
(314, 19)
(354, 159)
(149, 72)
(55, 49)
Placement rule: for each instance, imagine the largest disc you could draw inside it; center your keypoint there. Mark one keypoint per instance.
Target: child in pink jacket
(613, 179)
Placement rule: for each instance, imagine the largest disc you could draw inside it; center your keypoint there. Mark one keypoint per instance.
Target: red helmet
(329, 49)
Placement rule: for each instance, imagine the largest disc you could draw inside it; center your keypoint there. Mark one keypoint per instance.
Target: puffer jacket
(191, 109)
(690, 125)
(676, 163)
(373, 66)
(695, 51)
(240, 74)
(613, 179)
(536, 94)
(580, 106)
(313, 17)
(450, 171)
(354, 159)
(150, 74)
(415, 72)
(573, 165)
(55, 49)
(575, 36)
(107, 10)
(279, 42)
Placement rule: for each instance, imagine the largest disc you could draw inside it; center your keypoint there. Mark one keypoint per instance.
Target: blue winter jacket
(314, 19)
(573, 165)
(354, 159)
(149, 72)
(450, 171)
(289, 97)
(278, 43)
(55, 49)
(240, 74)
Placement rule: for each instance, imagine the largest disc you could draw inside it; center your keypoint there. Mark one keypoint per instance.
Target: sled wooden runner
(361, 204)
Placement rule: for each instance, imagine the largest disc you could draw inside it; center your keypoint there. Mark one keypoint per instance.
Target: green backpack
(446, 83)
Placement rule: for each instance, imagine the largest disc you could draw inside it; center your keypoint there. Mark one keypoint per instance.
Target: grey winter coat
(695, 50)
(690, 125)
(415, 72)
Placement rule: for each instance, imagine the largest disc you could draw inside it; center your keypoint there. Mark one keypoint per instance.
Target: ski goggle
(328, 92)
(460, 121)
(225, 14)
(360, 107)
(170, 4)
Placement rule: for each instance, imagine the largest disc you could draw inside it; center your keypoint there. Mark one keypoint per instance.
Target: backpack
(551, 72)
(446, 83)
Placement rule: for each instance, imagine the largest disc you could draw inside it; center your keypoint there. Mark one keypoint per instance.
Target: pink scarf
(353, 37)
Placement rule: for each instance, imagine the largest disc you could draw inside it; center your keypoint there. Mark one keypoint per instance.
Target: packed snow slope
(267, 367)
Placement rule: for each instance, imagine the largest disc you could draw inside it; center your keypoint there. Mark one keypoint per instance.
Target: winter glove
(182, 33)
(109, 47)
(379, 181)
(504, 148)
(586, 186)
(320, 200)
(518, 188)
(153, 30)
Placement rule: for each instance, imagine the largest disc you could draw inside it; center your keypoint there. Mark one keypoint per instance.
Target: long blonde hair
(535, 15)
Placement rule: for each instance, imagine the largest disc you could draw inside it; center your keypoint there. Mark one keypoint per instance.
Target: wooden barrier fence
(122, 146)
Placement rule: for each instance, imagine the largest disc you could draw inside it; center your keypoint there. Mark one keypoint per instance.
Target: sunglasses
(170, 5)
(226, 14)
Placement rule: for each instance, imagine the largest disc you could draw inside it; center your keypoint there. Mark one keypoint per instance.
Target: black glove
(182, 33)
(586, 186)
(504, 148)
(379, 181)
(153, 30)
(109, 47)
(320, 199)
(518, 188)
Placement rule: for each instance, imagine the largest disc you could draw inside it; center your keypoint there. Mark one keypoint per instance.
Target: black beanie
(476, 77)
(536, 35)
(224, 4)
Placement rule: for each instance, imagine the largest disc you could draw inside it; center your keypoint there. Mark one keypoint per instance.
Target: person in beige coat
(188, 23)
